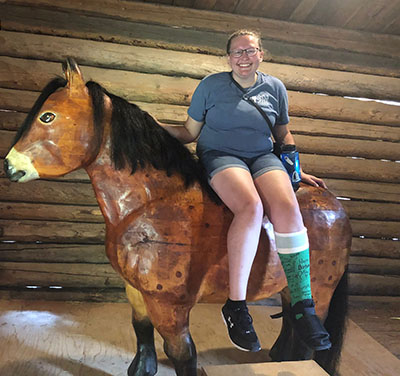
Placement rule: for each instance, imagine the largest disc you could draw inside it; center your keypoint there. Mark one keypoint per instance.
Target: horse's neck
(121, 194)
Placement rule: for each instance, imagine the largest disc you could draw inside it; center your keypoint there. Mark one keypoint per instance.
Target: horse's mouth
(18, 167)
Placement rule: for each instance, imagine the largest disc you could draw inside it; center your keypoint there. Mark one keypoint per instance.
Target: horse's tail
(335, 324)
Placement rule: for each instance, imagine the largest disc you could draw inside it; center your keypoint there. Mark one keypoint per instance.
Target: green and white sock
(293, 250)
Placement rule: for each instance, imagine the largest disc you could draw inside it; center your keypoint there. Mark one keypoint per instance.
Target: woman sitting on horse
(235, 147)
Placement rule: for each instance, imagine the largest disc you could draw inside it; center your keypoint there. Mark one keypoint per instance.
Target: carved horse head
(57, 136)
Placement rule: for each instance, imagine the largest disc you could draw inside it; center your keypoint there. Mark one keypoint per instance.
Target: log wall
(52, 232)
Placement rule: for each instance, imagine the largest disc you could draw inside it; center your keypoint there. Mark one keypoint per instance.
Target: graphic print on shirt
(262, 99)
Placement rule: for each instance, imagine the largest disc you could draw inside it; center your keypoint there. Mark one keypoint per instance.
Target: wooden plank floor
(379, 316)
(42, 338)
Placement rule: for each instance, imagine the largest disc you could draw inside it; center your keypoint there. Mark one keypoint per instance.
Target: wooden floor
(95, 339)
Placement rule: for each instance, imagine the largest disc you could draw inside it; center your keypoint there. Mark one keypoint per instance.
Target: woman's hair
(242, 32)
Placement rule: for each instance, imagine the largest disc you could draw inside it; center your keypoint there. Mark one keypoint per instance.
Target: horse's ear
(73, 75)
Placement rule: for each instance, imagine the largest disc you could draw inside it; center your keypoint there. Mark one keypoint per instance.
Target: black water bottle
(291, 161)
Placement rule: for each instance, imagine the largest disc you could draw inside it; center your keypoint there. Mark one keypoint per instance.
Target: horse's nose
(11, 173)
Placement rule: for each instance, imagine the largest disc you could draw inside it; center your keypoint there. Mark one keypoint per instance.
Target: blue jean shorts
(215, 161)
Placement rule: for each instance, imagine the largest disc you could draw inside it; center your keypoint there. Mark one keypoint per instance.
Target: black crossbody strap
(246, 98)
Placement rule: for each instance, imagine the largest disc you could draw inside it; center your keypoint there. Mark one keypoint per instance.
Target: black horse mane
(137, 140)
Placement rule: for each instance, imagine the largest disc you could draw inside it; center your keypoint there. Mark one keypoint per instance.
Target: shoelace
(244, 319)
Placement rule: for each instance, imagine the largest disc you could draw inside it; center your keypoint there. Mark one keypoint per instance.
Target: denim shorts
(215, 161)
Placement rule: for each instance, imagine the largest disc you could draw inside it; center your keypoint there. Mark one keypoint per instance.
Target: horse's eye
(47, 117)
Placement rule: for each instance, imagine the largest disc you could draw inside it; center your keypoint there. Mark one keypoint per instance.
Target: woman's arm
(184, 133)
(284, 137)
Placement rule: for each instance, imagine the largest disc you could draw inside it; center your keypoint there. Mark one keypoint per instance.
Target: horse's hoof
(142, 366)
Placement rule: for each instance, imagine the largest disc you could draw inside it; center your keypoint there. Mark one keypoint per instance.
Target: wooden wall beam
(103, 276)
(53, 274)
(49, 192)
(25, 75)
(175, 63)
(173, 114)
(386, 248)
(306, 144)
(91, 214)
(99, 294)
(335, 38)
(373, 265)
(367, 190)
(62, 23)
(93, 233)
(55, 252)
(50, 212)
(51, 232)
(375, 229)
(369, 284)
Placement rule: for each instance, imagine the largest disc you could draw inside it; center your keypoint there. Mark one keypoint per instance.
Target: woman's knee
(250, 207)
(286, 210)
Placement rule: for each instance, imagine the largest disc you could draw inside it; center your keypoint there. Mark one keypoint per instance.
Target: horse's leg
(172, 322)
(145, 361)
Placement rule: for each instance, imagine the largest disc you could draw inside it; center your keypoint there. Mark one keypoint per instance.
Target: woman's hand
(312, 180)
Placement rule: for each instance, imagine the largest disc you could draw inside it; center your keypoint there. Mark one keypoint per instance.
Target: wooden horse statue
(165, 235)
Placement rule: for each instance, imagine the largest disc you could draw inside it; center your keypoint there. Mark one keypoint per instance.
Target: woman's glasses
(249, 52)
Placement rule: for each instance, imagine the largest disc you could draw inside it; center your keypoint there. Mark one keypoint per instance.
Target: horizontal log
(11, 121)
(348, 147)
(349, 168)
(99, 295)
(374, 265)
(369, 284)
(91, 214)
(305, 144)
(53, 252)
(175, 63)
(53, 274)
(344, 130)
(335, 38)
(41, 276)
(51, 232)
(376, 191)
(372, 210)
(323, 165)
(33, 75)
(376, 248)
(375, 229)
(94, 233)
(173, 114)
(50, 212)
(48, 192)
(44, 21)
(6, 139)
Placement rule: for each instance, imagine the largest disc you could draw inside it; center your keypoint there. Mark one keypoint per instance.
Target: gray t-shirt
(233, 125)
